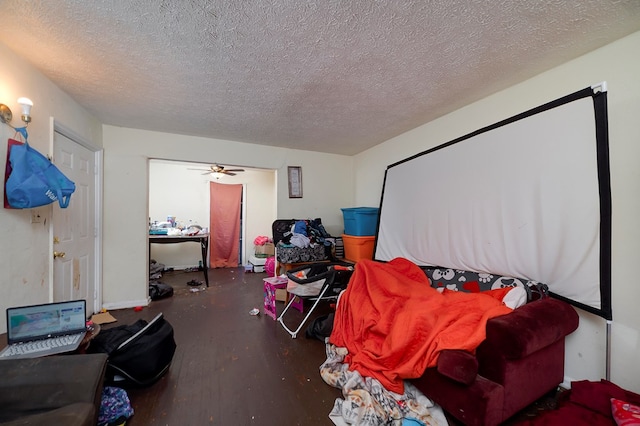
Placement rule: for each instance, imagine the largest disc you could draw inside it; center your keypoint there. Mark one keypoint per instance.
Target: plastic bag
(35, 181)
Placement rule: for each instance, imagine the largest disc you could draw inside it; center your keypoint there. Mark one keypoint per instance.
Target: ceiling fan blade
(216, 168)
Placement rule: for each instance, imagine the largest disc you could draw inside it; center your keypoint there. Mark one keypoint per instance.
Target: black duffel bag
(139, 354)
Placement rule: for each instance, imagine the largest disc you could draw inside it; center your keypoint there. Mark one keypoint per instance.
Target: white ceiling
(323, 75)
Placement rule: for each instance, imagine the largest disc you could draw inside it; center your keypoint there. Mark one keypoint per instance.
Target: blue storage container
(360, 221)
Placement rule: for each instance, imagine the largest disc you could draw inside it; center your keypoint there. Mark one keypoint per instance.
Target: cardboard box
(281, 295)
(266, 250)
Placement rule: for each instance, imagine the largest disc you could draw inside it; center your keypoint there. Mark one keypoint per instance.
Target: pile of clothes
(306, 233)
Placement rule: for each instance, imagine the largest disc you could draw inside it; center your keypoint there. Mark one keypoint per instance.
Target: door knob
(57, 254)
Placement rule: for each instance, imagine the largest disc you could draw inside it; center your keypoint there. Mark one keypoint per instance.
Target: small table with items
(203, 239)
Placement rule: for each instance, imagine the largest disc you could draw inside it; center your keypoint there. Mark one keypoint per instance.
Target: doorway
(75, 230)
(180, 189)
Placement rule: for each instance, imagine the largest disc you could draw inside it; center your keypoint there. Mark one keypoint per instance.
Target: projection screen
(527, 197)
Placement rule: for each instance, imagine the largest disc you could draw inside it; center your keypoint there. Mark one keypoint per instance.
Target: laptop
(47, 329)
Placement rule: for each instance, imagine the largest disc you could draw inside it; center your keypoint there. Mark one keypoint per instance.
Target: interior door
(74, 230)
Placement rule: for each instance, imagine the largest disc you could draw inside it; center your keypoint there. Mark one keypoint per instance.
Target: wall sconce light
(26, 104)
(6, 115)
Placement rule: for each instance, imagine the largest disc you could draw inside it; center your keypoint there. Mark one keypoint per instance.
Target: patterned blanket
(367, 403)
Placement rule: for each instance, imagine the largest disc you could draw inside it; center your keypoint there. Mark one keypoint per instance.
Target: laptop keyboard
(42, 347)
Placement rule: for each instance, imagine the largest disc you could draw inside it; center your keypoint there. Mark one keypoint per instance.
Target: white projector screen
(528, 197)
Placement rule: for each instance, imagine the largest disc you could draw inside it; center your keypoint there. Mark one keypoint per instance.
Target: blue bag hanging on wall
(35, 181)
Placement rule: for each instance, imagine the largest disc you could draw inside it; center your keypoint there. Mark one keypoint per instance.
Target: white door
(74, 228)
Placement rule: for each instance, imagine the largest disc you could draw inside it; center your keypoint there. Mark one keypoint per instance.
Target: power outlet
(35, 217)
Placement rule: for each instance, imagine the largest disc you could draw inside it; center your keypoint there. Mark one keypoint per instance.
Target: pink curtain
(224, 225)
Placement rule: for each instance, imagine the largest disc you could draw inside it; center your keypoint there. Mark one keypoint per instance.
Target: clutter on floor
(103, 318)
(155, 269)
(138, 354)
(157, 289)
(263, 250)
(299, 241)
(115, 408)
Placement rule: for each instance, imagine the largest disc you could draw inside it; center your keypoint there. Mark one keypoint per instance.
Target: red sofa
(521, 360)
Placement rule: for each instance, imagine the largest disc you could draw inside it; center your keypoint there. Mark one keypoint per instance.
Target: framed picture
(294, 174)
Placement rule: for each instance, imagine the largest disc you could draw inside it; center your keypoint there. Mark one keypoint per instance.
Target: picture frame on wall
(294, 175)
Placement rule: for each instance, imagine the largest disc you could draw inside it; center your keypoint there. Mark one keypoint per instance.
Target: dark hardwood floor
(232, 368)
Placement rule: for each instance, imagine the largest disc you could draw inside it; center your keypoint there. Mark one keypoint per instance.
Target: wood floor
(232, 368)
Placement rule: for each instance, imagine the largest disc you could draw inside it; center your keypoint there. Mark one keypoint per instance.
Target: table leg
(203, 246)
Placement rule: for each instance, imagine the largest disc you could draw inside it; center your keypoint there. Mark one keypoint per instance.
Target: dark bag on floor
(321, 327)
(159, 290)
(139, 354)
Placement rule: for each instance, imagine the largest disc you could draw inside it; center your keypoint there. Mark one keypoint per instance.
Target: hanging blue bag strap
(35, 181)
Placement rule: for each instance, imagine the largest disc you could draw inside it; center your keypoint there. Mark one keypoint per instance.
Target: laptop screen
(41, 321)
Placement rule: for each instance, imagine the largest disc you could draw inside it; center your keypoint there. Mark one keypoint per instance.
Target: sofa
(291, 251)
(54, 390)
(521, 359)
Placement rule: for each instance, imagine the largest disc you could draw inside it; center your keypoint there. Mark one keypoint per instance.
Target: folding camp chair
(316, 282)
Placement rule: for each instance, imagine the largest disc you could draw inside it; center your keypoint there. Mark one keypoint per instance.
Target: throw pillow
(624, 413)
(475, 282)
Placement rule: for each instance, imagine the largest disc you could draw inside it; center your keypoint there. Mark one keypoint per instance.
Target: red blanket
(394, 324)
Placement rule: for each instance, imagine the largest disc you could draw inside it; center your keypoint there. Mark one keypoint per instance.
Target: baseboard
(126, 304)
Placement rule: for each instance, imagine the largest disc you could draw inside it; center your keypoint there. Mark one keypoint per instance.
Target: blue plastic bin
(360, 221)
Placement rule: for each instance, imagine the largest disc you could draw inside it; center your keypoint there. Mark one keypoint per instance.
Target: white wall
(176, 190)
(619, 65)
(327, 183)
(25, 255)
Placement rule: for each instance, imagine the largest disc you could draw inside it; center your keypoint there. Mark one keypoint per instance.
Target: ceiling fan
(218, 169)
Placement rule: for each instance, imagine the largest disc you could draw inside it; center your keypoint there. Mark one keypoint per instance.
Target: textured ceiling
(326, 75)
